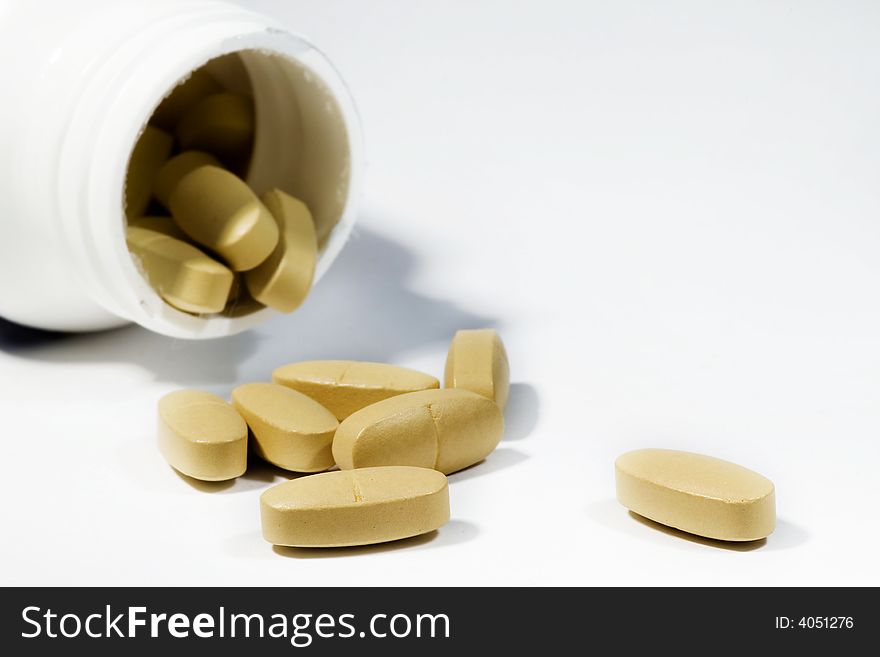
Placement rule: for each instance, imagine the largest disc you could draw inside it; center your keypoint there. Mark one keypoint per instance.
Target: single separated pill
(697, 494)
(355, 507)
(202, 436)
(181, 274)
(149, 154)
(477, 361)
(173, 171)
(346, 386)
(283, 281)
(222, 124)
(220, 212)
(446, 430)
(290, 430)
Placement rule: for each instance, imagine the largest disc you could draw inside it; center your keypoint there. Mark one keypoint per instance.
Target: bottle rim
(114, 108)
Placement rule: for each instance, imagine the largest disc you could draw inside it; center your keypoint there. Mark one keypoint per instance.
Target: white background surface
(670, 211)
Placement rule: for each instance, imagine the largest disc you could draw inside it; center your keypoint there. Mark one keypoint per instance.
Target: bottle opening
(264, 117)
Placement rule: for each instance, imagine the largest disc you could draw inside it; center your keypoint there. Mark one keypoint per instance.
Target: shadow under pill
(330, 553)
(610, 513)
(259, 475)
(263, 473)
(205, 486)
(733, 546)
(452, 533)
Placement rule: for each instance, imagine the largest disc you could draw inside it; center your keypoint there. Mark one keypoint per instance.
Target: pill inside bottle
(109, 94)
(240, 127)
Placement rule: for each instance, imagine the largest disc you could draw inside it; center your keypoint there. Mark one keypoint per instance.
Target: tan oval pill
(697, 494)
(283, 281)
(346, 386)
(173, 171)
(202, 436)
(149, 154)
(355, 507)
(220, 212)
(197, 86)
(181, 274)
(222, 124)
(477, 361)
(290, 430)
(446, 430)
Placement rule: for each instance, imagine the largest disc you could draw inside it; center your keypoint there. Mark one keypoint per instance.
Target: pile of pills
(393, 433)
(206, 242)
(201, 236)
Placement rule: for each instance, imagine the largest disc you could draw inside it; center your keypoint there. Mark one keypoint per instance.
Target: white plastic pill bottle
(80, 80)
